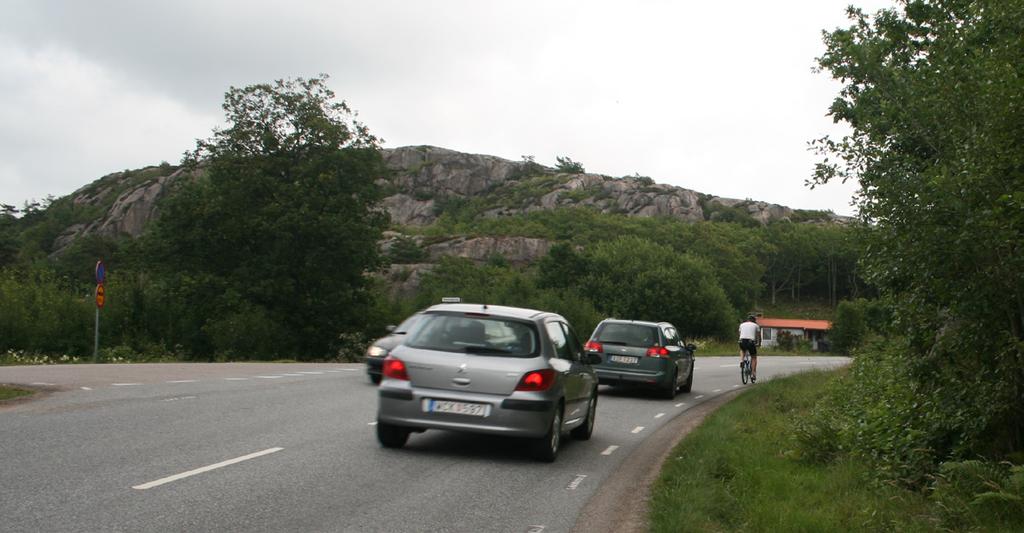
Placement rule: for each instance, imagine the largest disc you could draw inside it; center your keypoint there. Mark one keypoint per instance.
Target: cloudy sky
(718, 97)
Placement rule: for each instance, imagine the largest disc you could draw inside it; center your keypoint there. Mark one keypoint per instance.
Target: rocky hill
(424, 180)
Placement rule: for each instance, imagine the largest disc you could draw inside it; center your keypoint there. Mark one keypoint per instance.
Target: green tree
(933, 92)
(568, 166)
(277, 233)
(634, 278)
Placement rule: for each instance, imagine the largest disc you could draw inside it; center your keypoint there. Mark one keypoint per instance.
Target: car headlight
(376, 351)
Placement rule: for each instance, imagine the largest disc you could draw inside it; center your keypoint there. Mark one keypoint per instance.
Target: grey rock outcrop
(127, 216)
(519, 251)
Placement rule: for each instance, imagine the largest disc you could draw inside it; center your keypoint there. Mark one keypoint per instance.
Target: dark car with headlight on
(492, 370)
(381, 347)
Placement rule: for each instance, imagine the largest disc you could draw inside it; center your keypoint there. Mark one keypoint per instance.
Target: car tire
(586, 429)
(391, 436)
(546, 448)
(688, 386)
(668, 392)
(375, 379)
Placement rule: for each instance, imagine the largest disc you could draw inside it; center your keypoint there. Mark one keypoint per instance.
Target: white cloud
(68, 121)
(715, 97)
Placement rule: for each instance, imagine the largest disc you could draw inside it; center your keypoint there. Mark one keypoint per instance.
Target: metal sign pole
(96, 339)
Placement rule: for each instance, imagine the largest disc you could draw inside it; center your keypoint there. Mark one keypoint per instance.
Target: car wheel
(546, 447)
(375, 379)
(689, 380)
(669, 391)
(391, 436)
(586, 429)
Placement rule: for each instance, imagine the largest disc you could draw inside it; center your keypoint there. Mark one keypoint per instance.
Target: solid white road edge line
(610, 450)
(43, 383)
(191, 473)
(638, 429)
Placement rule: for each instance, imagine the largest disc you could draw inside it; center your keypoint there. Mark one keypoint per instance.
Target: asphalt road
(291, 447)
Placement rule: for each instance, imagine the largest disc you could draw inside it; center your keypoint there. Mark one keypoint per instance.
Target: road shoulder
(615, 507)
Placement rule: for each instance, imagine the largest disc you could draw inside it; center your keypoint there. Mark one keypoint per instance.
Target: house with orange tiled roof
(813, 331)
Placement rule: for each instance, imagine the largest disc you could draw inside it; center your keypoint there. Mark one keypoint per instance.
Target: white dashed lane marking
(372, 424)
(236, 379)
(86, 388)
(699, 397)
(125, 384)
(191, 473)
(659, 415)
(680, 404)
(311, 373)
(43, 383)
(183, 381)
(269, 377)
(717, 390)
(610, 450)
(575, 483)
(638, 429)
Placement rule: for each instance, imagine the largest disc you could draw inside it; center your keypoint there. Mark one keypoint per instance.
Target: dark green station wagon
(642, 353)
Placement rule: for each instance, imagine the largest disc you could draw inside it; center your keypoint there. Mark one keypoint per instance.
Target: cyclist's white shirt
(748, 330)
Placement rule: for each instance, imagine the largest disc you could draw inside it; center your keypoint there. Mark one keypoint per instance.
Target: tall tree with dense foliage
(933, 92)
(270, 245)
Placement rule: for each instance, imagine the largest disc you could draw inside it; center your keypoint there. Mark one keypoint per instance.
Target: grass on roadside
(7, 392)
(736, 473)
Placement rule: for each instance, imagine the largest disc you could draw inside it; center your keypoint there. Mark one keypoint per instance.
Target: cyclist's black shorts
(750, 346)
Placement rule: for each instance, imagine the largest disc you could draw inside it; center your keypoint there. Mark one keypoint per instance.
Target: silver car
(489, 369)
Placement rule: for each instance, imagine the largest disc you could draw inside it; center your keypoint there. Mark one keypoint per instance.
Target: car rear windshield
(627, 334)
(475, 333)
(407, 324)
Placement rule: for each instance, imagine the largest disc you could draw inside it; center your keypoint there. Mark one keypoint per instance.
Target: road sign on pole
(101, 296)
(101, 272)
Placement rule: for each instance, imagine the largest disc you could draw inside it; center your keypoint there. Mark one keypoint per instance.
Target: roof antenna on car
(485, 307)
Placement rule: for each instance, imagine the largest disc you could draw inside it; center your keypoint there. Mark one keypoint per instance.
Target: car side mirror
(691, 347)
(390, 328)
(593, 359)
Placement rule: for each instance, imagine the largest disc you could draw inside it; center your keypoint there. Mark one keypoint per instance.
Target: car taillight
(657, 351)
(536, 381)
(394, 369)
(593, 346)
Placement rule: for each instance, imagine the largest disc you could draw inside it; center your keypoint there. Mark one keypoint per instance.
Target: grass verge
(737, 473)
(8, 392)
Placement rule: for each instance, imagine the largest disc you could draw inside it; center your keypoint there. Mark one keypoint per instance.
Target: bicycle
(745, 370)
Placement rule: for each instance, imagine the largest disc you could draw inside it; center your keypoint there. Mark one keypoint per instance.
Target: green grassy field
(737, 472)
(8, 392)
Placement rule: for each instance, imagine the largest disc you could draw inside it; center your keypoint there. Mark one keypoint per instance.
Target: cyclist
(750, 338)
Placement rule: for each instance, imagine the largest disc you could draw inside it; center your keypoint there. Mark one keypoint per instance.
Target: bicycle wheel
(745, 371)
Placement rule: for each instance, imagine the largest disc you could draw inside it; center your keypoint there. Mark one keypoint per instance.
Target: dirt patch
(36, 392)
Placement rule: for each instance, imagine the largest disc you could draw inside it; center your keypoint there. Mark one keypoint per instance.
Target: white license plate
(458, 408)
(624, 359)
